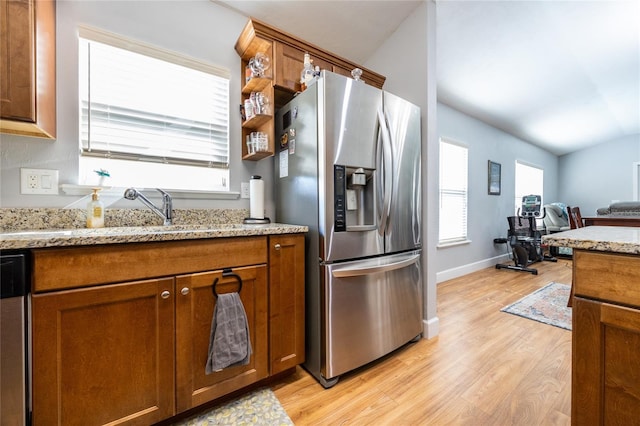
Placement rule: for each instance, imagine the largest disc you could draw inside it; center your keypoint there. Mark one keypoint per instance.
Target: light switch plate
(38, 181)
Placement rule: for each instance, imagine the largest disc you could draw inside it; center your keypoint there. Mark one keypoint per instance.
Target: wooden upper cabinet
(28, 67)
(288, 53)
(342, 71)
(287, 57)
(288, 62)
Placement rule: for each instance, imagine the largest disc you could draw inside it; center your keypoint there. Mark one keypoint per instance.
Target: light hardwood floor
(486, 367)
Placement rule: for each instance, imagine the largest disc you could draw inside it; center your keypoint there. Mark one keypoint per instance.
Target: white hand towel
(229, 343)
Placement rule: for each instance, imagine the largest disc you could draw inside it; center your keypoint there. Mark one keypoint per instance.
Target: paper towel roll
(256, 197)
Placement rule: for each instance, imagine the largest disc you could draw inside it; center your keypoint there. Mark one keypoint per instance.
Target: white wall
(200, 29)
(487, 214)
(594, 177)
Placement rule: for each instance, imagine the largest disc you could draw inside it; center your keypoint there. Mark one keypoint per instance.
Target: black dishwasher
(14, 338)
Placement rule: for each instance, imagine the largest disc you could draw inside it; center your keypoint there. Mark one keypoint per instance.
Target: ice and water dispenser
(354, 200)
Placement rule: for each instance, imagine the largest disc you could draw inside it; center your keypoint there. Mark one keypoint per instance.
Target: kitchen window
(150, 117)
(453, 193)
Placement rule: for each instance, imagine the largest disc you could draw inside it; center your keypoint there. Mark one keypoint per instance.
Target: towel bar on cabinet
(227, 273)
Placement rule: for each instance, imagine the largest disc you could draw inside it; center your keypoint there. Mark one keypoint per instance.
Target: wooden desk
(611, 221)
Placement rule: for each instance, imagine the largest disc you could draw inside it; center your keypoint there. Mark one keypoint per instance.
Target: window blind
(140, 107)
(453, 193)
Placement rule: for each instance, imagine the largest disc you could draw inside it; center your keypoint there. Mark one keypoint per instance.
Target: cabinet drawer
(605, 276)
(61, 268)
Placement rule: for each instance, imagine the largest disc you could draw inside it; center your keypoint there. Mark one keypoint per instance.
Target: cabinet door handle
(165, 294)
(277, 247)
(184, 291)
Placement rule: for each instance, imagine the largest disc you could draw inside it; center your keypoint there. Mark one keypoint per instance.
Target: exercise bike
(523, 237)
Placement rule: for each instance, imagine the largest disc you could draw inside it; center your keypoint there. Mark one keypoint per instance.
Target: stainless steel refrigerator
(348, 166)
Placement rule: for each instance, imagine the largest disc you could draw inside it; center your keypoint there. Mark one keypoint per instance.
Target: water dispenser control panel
(339, 185)
(354, 199)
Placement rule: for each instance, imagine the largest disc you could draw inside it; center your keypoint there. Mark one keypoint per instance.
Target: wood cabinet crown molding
(255, 28)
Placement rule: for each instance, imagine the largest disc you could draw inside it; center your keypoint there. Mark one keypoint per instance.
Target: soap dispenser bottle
(95, 211)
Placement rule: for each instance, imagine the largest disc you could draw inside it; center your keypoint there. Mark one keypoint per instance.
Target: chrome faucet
(167, 206)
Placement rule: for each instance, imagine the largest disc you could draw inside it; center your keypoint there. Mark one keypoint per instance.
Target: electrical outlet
(244, 190)
(38, 181)
(32, 181)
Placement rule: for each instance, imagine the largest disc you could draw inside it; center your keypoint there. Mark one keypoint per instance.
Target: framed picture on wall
(494, 178)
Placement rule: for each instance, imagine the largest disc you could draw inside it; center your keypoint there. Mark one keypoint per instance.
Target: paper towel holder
(261, 220)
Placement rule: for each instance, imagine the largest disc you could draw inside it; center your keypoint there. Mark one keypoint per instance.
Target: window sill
(181, 194)
(456, 243)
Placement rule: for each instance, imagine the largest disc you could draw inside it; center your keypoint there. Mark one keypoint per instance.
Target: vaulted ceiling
(563, 75)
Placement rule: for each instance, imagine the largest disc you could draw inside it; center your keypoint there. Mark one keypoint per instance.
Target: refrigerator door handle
(387, 167)
(375, 268)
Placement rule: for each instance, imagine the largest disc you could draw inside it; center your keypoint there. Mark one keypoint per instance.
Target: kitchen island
(606, 323)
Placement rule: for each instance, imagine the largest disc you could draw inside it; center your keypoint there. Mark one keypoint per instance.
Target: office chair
(575, 218)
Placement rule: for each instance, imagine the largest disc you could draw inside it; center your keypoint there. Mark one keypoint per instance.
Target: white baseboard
(430, 328)
(469, 268)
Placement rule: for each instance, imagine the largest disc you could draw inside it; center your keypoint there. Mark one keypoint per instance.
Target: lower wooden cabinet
(135, 352)
(194, 310)
(104, 354)
(606, 374)
(286, 301)
(605, 386)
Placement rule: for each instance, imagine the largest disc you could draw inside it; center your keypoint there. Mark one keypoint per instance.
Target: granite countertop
(613, 239)
(136, 234)
(22, 228)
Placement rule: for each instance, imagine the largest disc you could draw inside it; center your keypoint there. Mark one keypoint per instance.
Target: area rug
(547, 305)
(260, 407)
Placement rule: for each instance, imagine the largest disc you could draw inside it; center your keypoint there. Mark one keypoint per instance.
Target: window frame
(218, 180)
(452, 192)
(517, 193)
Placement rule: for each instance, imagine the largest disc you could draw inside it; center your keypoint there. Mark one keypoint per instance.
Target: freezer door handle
(371, 268)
